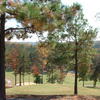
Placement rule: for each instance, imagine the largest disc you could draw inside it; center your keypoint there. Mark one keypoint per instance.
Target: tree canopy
(39, 16)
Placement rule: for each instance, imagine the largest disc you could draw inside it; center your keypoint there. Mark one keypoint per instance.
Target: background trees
(12, 60)
(34, 18)
(54, 18)
(81, 35)
(20, 58)
(95, 70)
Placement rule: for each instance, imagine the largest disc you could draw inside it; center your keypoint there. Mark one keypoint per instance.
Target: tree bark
(15, 78)
(42, 75)
(94, 84)
(20, 78)
(76, 69)
(23, 78)
(2, 57)
(83, 82)
(52, 77)
(29, 79)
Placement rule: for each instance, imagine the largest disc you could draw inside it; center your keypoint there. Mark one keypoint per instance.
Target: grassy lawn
(10, 76)
(52, 89)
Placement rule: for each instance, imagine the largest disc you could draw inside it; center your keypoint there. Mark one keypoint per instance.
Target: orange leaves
(35, 70)
(38, 25)
(13, 3)
(13, 58)
(0, 1)
(43, 50)
(48, 12)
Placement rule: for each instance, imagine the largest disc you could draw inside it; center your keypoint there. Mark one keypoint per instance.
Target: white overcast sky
(90, 9)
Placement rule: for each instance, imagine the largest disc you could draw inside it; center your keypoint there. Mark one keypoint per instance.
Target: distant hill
(33, 43)
(97, 44)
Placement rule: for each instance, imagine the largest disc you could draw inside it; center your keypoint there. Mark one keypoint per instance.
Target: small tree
(95, 76)
(36, 74)
(57, 59)
(80, 34)
(85, 57)
(13, 60)
(43, 54)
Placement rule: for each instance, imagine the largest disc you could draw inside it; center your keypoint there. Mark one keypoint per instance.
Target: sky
(90, 10)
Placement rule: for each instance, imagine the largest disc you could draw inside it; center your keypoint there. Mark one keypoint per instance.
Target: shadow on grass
(34, 97)
(52, 97)
(92, 87)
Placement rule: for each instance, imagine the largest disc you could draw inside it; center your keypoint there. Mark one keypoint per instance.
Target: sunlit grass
(52, 89)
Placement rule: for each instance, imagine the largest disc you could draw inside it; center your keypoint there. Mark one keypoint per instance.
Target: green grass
(45, 89)
(10, 76)
(52, 89)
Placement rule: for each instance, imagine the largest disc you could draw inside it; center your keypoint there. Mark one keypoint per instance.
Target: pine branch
(9, 17)
(25, 29)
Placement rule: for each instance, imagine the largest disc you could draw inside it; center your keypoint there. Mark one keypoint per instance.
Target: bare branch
(25, 29)
(16, 29)
(9, 17)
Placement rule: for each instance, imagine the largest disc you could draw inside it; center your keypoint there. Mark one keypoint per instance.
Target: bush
(38, 79)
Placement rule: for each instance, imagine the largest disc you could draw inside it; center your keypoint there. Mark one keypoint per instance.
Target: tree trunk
(15, 78)
(76, 69)
(52, 77)
(42, 75)
(94, 84)
(2, 57)
(23, 78)
(20, 78)
(83, 82)
(42, 79)
(29, 79)
(49, 80)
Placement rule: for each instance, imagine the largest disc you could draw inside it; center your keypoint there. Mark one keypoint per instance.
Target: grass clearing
(52, 89)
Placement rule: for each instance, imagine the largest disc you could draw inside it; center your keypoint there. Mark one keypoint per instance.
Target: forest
(37, 60)
(66, 51)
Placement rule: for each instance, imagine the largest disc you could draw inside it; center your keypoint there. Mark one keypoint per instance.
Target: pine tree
(81, 34)
(40, 17)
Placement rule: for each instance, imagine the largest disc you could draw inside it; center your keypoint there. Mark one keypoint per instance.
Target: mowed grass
(52, 89)
(39, 89)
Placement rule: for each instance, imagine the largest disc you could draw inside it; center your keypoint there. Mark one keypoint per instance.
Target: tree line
(52, 58)
(64, 24)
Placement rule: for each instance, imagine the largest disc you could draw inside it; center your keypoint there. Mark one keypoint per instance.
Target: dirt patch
(26, 83)
(53, 97)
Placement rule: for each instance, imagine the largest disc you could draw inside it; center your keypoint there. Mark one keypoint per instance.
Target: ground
(49, 91)
(53, 97)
